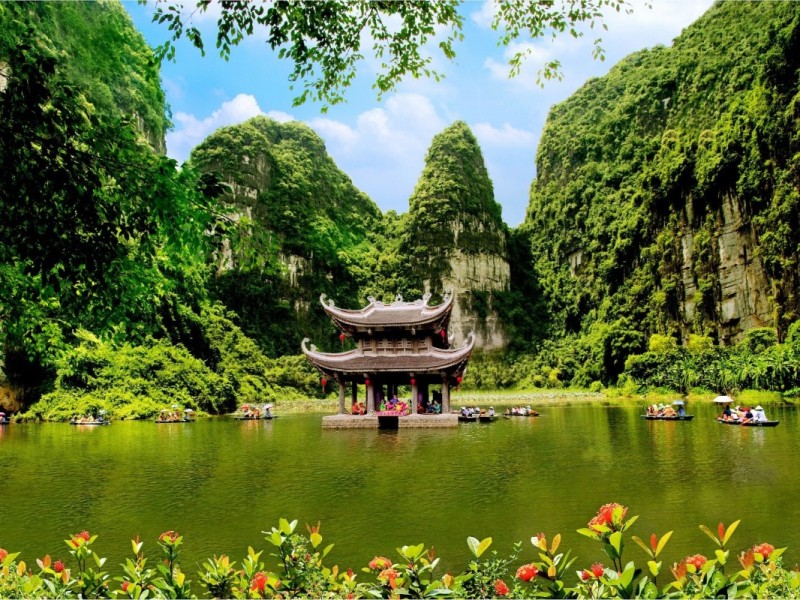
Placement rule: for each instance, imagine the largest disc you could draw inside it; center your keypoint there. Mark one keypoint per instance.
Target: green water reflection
(221, 482)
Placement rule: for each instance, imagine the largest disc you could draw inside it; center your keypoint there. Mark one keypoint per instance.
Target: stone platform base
(371, 421)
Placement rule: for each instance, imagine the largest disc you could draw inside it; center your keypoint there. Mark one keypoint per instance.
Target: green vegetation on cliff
(303, 230)
(641, 172)
(452, 209)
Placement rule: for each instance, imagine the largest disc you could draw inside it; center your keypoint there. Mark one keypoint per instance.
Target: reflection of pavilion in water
(397, 344)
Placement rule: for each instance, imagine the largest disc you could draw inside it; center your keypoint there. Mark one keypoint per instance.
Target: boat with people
(474, 414)
(175, 415)
(4, 420)
(748, 423)
(521, 411)
(667, 412)
(99, 419)
(747, 417)
(255, 412)
(668, 418)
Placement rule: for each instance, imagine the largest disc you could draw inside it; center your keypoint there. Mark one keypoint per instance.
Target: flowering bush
(301, 571)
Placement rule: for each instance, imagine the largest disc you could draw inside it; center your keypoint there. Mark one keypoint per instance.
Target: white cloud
(190, 130)
(485, 14)
(505, 136)
(383, 149)
(535, 56)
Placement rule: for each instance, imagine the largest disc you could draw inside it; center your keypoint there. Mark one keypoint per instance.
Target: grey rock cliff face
(743, 298)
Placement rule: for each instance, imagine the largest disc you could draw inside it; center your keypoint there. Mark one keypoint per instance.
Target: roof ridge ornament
(470, 339)
(304, 344)
(398, 300)
(323, 299)
(425, 298)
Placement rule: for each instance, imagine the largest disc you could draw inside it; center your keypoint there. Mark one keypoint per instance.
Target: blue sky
(381, 145)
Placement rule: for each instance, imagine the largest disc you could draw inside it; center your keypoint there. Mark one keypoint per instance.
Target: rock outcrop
(457, 240)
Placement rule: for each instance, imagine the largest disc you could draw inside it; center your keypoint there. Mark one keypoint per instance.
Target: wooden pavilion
(397, 344)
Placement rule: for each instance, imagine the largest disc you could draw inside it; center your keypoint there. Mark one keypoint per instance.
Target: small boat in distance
(175, 416)
(254, 412)
(100, 419)
(4, 419)
(521, 411)
(668, 418)
(748, 423)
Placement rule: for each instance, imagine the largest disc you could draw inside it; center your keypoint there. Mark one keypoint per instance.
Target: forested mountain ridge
(455, 239)
(103, 53)
(666, 196)
(303, 230)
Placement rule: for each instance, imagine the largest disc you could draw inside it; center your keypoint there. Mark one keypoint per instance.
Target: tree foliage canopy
(326, 40)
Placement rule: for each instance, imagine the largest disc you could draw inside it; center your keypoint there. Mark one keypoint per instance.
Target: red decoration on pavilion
(324, 382)
(413, 381)
(341, 337)
(459, 379)
(366, 382)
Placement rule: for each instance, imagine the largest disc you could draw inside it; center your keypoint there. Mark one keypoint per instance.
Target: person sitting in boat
(759, 416)
(727, 414)
(491, 411)
(748, 415)
(669, 412)
(681, 411)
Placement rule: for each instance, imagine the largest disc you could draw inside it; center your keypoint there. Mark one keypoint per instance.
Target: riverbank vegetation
(295, 566)
(129, 283)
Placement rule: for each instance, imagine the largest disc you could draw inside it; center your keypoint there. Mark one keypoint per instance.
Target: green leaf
(615, 539)
(589, 533)
(642, 545)
(729, 531)
(663, 542)
(655, 567)
(708, 532)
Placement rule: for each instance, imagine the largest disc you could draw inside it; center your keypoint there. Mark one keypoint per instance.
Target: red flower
(696, 560)
(764, 550)
(598, 569)
(3, 554)
(500, 588)
(720, 531)
(379, 562)
(169, 537)
(389, 574)
(126, 585)
(654, 541)
(605, 516)
(85, 535)
(527, 572)
(586, 575)
(58, 566)
(258, 582)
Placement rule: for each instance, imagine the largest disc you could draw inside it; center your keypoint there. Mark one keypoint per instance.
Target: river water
(221, 482)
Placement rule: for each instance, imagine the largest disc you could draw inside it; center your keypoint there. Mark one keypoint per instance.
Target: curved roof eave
(397, 314)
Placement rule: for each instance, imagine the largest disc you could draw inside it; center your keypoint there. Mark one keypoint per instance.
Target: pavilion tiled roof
(354, 361)
(397, 314)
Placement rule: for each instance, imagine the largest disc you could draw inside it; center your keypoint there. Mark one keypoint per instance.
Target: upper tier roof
(398, 314)
(354, 361)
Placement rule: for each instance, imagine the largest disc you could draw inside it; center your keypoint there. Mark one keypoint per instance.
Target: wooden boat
(666, 418)
(168, 416)
(487, 418)
(749, 423)
(95, 422)
(531, 414)
(468, 418)
(249, 412)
